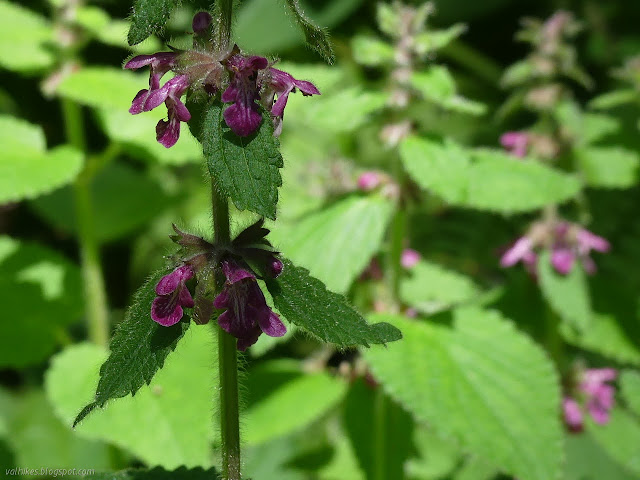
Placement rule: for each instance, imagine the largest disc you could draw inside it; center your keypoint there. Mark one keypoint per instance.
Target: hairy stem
(225, 10)
(94, 290)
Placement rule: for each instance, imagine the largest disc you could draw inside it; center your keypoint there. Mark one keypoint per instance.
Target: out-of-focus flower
(515, 143)
(409, 258)
(173, 295)
(594, 394)
(247, 314)
(369, 180)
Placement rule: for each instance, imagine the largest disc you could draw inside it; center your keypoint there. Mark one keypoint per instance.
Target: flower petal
(272, 325)
(166, 311)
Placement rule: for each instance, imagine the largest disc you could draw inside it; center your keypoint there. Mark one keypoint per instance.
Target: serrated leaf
(437, 458)
(608, 167)
(138, 348)
(430, 287)
(23, 38)
(175, 409)
(316, 37)
(371, 51)
(487, 385)
(158, 473)
(27, 169)
(620, 438)
(607, 336)
(348, 233)
(276, 389)
(630, 390)
(586, 460)
(438, 86)
(247, 169)
(113, 190)
(41, 296)
(306, 302)
(567, 295)
(149, 17)
(103, 87)
(484, 179)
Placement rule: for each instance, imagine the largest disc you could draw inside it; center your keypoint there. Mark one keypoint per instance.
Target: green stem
(379, 437)
(225, 10)
(94, 289)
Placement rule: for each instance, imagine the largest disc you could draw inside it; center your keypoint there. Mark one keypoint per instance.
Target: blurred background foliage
(468, 393)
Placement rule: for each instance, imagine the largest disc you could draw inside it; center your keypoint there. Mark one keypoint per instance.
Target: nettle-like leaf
(438, 86)
(24, 35)
(41, 297)
(139, 348)
(608, 167)
(175, 409)
(630, 390)
(27, 169)
(568, 295)
(620, 438)
(149, 17)
(317, 38)
(306, 302)
(481, 382)
(371, 51)
(158, 473)
(484, 179)
(614, 99)
(586, 460)
(277, 388)
(430, 287)
(433, 40)
(247, 169)
(347, 233)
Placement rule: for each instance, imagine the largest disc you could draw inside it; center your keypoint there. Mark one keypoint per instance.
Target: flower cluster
(246, 314)
(595, 394)
(245, 81)
(516, 143)
(567, 242)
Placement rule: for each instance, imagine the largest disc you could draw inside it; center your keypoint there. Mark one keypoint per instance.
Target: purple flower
(282, 84)
(572, 414)
(247, 314)
(201, 22)
(242, 115)
(409, 258)
(515, 142)
(173, 295)
(160, 64)
(369, 180)
(520, 251)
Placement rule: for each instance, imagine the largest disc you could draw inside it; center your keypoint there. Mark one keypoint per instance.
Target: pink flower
(409, 258)
(369, 180)
(596, 395)
(173, 295)
(520, 251)
(572, 414)
(515, 143)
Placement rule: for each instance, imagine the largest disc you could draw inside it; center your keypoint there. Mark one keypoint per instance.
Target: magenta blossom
(173, 295)
(369, 180)
(520, 251)
(243, 116)
(160, 64)
(282, 84)
(409, 258)
(595, 394)
(515, 143)
(247, 314)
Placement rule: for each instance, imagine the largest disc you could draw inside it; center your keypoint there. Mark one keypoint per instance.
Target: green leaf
(316, 37)
(113, 191)
(586, 460)
(630, 389)
(139, 348)
(103, 87)
(306, 302)
(348, 233)
(614, 99)
(363, 408)
(430, 287)
(438, 86)
(432, 40)
(39, 440)
(437, 457)
(371, 51)
(607, 336)
(23, 38)
(175, 409)
(608, 167)
(27, 169)
(246, 168)
(620, 438)
(158, 473)
(41, 296)
(484, 179)
(488, 387)
(149, 17)
(517, 74)
(388, 19)
(137, 135)
(567, 295)
(277, 388)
